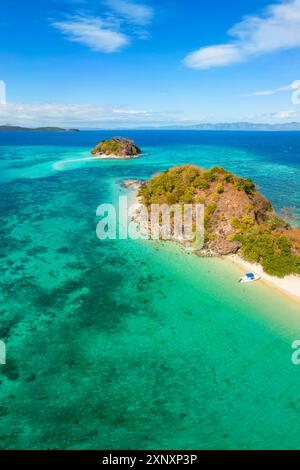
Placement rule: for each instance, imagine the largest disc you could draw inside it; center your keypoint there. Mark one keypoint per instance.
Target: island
(117, 148)
(233, 127)
(40, 129)
(239, 221)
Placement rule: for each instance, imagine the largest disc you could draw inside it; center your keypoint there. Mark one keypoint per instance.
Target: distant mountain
(237, 126)
(43, 129)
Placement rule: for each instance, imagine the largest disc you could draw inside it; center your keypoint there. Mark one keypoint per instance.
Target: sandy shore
(114, 157)
(290, 285)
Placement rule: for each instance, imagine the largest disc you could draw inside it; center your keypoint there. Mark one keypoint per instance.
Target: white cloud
(97, 116)
(74, 115)
(278, 28)
(285, 114)
(48, 113)
(213, 56)
(273, 91)
(92, 32)
(131, 112)
(135, 13)
(273, 117)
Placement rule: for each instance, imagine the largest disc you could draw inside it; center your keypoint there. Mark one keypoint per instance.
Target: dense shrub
(220, 188)
(177, 185)
(245, 184)
(272, 250)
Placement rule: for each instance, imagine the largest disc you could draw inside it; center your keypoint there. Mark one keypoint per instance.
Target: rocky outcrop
(117, 147)
(133, 184)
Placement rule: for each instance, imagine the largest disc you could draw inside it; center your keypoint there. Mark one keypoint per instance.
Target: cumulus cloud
(136, 13)
(278, 28)
(92, 32)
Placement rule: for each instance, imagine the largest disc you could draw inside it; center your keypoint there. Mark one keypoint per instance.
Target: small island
(117, 148)
(239, 221)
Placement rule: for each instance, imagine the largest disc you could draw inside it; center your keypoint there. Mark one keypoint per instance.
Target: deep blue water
(280, 147)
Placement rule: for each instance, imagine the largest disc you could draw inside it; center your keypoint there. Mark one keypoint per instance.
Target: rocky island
(238, 219)
(117, 148)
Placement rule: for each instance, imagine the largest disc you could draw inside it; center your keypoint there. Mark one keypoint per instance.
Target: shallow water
(135, 344)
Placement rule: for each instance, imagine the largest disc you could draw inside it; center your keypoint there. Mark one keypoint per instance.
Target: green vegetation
(245, 184)
(228, 178)
(179, 185)
(108, 147)
(117, 146)
(271, 249)
(220, 188)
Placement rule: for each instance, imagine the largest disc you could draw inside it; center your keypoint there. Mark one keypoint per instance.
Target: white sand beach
(289, 285)
(114, 157)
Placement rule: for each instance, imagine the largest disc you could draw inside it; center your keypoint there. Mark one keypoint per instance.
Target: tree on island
(117, 147)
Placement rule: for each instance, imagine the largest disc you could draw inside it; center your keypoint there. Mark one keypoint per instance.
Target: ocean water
(137, 344)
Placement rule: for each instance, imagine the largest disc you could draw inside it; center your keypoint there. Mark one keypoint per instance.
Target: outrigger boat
(249, 278)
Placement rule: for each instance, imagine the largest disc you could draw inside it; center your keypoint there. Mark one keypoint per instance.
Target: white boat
(250, 277)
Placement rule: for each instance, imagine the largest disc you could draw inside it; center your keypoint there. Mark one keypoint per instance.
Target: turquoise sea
(137, 344)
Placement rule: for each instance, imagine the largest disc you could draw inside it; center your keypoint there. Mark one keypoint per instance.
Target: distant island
(222, 126)
(117, 148)
(238, 219)
(41, 129)
(229, 126)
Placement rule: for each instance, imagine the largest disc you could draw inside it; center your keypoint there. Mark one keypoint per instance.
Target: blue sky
(112, 63)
